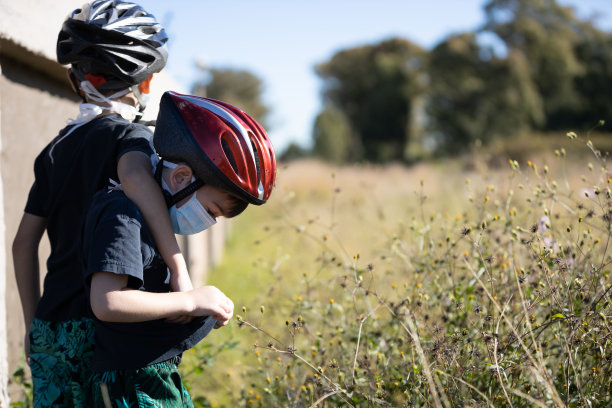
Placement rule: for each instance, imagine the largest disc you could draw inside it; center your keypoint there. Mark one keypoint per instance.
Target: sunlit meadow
(479, 281)
(472, 282)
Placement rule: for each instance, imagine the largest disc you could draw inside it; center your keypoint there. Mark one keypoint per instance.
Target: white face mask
(191, 217)
(128, 112)
(90, 111)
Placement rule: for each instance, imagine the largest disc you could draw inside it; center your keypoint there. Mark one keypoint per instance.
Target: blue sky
(282, 40)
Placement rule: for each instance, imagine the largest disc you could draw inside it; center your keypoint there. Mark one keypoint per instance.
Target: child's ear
(145, 86)
(181, 177)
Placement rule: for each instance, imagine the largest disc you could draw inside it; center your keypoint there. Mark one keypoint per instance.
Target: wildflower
(299, 298)
(331, 300)
(467, 181)
(587, 192)
(418, 285)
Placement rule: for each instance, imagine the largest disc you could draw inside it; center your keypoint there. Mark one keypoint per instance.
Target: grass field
(478, 281)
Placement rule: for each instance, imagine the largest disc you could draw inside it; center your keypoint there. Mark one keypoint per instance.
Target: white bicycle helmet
(116, 40)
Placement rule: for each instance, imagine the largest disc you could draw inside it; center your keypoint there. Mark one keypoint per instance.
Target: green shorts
(60, 353)
(157, 385)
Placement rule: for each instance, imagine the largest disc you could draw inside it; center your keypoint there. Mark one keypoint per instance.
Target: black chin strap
(184, 193)
(180, 195)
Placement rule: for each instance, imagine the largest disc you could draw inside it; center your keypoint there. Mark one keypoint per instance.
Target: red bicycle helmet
(114, 39)
(223, 145)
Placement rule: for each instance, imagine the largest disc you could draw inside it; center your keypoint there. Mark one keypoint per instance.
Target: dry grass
(461, 283)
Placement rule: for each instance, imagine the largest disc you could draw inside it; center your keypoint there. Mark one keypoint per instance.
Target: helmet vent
(148, 30)
(255, 153)
(228, 154)
(127, 66)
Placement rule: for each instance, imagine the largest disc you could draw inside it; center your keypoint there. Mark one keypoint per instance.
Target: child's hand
(210, 301)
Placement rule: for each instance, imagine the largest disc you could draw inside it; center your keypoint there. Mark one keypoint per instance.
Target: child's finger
(228, 306)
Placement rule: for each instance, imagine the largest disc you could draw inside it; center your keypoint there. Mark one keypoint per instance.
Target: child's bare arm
(136, 177)
(112, 301)
(26, 265)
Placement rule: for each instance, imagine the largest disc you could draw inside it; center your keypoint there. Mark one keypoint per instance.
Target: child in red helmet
(215, 160)
(114, 48)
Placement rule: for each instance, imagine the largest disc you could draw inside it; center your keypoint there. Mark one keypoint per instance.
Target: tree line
(532, 65)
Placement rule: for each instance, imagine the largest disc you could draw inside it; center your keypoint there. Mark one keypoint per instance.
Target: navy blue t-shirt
(117, 240)
(67, 174)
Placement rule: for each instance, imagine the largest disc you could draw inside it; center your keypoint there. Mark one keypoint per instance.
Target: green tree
(475, 95)
(294, 152)
(238, 87)
(332, 137)
(547, 35)
(374, 86)
(594, 84)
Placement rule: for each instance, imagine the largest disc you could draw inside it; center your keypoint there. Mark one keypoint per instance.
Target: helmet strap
(141, 97)
(75, 84)
(172, 199)
(158, 177)
(186, 192)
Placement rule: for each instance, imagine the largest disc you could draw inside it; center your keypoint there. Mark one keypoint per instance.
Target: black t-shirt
(67, 174)
(117, 240)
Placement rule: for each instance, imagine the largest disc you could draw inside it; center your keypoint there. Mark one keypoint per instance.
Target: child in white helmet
(114, 47)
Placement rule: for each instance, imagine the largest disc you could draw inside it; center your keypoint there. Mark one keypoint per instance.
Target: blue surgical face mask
(191, 217)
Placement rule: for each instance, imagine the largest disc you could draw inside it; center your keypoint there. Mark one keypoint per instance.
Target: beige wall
(33, 108)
